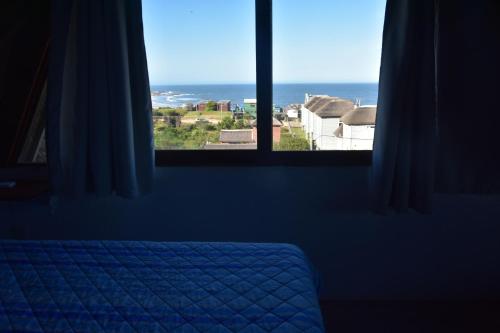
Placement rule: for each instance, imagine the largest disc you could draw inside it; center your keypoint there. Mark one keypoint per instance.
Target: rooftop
(229, 146)
(237, 136)
(365, 115)
(329, 107)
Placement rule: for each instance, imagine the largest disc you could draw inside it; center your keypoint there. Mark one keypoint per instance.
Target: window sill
(176, 158)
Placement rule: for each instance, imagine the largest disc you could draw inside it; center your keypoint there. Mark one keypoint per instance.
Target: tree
(211, 106)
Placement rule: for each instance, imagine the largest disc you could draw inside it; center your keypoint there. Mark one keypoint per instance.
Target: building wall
(201, 107)
(328, 140)
(308, 127)
(310, 119)
(305, 120)
(317, 129)
(293, 114)
(250, 109)
(224, 107)
(358, 137)
(276, 134)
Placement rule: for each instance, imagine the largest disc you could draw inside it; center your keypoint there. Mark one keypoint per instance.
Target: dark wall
(452, 253)
(24, 40)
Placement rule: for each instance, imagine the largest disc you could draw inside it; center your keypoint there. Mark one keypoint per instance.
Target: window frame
(264, 155)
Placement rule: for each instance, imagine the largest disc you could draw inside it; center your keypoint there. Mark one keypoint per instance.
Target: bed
(116, 286)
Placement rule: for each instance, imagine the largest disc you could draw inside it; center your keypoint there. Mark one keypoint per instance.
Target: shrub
(227, 123)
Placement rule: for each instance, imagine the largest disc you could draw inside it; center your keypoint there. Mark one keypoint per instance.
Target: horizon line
(252, 83)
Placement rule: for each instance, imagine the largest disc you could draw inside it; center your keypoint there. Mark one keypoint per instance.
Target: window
(201, 56)
(304, 71)
(326, 68)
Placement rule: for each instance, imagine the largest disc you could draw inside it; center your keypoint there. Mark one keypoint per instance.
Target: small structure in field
(250, 106)
(224, 106)
(206, 106)
(235, 140)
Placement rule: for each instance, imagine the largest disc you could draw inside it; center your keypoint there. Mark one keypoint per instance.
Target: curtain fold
(468, 157)
(99, 132)
(405, 136)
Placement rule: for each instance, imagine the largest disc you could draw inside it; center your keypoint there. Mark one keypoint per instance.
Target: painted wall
(326, 139)
(358, 137)
(450, 254)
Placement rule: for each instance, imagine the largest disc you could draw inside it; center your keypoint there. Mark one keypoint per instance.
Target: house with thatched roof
(306, 113)
(321, 117)
(357, 129)
(237, 136)
(243, 139)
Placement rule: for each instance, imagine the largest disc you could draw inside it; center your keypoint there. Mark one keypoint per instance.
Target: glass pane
(326, 68)
(201, 57)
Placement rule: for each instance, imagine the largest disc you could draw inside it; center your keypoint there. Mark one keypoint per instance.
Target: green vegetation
(165, 112)
(216, 115)
(185, 137)
(230, 124)
(211, 106)
(293, 140)
(241, 124)
(193, 130)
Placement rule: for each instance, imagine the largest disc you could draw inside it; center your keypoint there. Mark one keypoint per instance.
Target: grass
(294, 140)
(299, 133)
(208, 115)
(184, 137)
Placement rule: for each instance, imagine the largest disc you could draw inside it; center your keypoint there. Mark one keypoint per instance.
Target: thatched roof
(236, 136)
(329, 107)
(314, 101)
(334, 108)
(360, 116)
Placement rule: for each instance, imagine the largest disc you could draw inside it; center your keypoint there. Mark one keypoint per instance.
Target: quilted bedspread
(52, 286)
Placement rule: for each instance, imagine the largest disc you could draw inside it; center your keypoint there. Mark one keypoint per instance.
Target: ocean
(284, 94)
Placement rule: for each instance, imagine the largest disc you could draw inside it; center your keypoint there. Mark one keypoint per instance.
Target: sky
(213, 41)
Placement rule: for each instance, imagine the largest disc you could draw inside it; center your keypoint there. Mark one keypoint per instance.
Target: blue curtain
(405, 137)
(99, 133)
(468, 157)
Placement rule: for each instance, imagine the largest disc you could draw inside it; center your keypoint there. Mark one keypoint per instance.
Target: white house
(357, 129)
(321, 117)
(292, 112)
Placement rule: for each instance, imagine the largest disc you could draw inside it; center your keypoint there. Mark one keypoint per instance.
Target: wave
(187, 99)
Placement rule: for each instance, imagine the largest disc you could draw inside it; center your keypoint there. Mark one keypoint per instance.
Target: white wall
(305, 119)
(358, 137)
(327, 140)
(293, 114)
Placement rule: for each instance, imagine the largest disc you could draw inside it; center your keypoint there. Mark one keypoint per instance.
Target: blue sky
(213, 41)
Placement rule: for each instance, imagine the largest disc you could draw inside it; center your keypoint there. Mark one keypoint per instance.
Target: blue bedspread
(54, 286)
